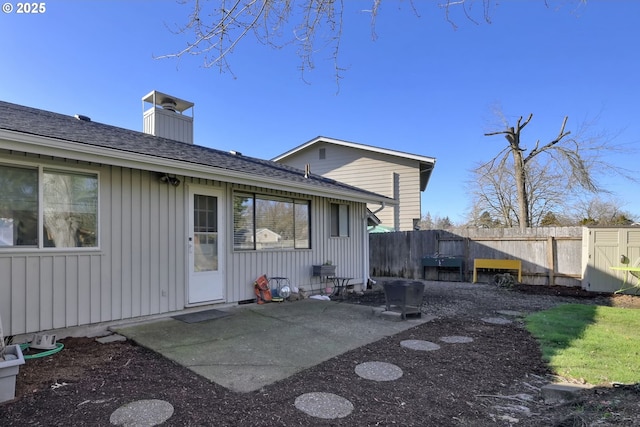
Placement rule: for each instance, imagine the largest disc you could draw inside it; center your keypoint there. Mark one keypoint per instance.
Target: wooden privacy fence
(549, 255)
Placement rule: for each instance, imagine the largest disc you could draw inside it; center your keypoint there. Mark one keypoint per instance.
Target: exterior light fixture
(172, 180)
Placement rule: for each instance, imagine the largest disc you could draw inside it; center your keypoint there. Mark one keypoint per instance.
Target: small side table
(340, 285)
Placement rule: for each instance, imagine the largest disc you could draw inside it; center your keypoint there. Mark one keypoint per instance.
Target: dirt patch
(494, 379)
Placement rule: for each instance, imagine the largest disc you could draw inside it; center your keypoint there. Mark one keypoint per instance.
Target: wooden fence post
(551, 265)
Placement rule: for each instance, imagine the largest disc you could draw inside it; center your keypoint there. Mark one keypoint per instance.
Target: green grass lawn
(597, 344)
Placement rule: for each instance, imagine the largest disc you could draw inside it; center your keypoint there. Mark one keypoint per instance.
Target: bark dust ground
(493, 380)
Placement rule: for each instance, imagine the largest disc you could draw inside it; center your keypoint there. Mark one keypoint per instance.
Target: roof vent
(169, 104)
(83, 118)
(235, 153)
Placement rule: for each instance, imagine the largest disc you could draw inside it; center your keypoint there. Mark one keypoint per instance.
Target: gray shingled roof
(33, 121)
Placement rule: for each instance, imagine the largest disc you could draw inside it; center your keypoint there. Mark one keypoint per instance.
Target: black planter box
(404, 297)
(324, 270)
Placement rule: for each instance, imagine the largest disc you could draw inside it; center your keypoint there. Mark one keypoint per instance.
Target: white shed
(609, 257)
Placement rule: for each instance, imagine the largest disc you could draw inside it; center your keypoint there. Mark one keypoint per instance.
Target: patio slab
(258, 345)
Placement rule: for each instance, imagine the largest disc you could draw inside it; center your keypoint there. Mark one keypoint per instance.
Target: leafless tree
(494, 194)
(601, 211)
(436, 222)
(521, 185)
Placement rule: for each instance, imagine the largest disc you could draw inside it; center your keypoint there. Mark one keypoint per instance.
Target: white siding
(168, 124)
(370, 171)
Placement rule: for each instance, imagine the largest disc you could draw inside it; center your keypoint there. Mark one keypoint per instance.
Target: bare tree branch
(217, 27)
(572, 162)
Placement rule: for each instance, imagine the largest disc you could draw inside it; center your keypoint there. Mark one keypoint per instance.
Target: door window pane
(205, 232)
(205, 213)
(206, 251)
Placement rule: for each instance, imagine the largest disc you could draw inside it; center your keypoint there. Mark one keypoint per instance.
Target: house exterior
(102, 224)
(395, 174)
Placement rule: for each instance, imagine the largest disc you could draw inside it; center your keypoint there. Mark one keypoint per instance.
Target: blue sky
(420, 87)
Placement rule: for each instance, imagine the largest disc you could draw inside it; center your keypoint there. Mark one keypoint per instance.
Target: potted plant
(10, 360)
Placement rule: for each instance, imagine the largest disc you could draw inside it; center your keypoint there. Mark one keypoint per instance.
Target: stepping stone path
(378, 371)
(324, 405)
(142, 413)
(331, 406)
(153, 412)
(420, 345)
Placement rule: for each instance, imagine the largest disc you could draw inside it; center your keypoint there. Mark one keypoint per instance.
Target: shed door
(606, 247)
(205, 246)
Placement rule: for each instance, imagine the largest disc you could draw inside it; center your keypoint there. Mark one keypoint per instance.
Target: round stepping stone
(378, 371)
(512, 313)
(496, 320)
(324, 405)
(420, 345)
(456, 339)
(142, 413)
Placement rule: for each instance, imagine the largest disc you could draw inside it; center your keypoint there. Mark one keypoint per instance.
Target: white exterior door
(205, 245)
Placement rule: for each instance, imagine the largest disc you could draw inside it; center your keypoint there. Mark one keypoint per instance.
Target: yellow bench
(498, 264)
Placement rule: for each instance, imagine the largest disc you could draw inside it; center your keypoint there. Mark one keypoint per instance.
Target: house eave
(426, 164)
(53, 147)
(424, 159)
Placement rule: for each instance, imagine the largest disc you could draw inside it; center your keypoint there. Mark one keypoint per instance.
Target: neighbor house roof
(426, 163)
(42, 132)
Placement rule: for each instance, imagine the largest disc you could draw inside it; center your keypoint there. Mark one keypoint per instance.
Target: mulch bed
(479, 383)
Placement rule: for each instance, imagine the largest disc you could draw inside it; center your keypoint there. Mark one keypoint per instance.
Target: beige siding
(370, 171)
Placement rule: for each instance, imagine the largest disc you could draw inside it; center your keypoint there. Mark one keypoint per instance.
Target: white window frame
(54, 168)
(344, 220)
(265, 196)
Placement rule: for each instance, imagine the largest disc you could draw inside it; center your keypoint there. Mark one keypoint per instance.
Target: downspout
(365, 245)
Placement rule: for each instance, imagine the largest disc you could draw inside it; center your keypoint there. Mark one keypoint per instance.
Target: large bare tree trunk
(512, 134)
(524, 216)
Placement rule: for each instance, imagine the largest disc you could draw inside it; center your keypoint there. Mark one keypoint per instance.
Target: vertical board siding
(137, 270)
(126, 225)
(118, 252)
(136, 237)
(140, 265)
(71, 290)
(84, 289)
(45, 304)
(32, 293)
(18, 295)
